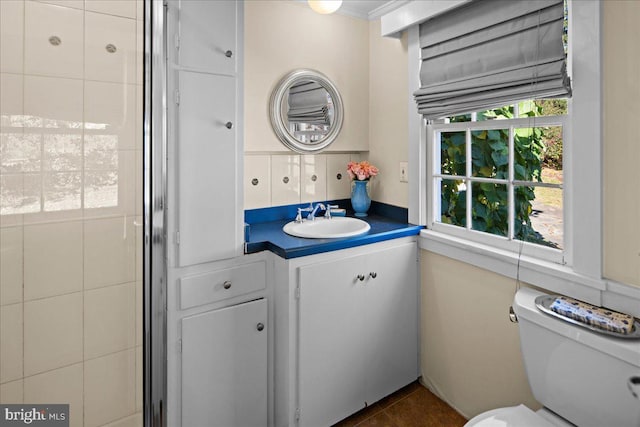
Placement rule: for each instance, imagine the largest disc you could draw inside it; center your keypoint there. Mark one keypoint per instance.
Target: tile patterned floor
(411, 406)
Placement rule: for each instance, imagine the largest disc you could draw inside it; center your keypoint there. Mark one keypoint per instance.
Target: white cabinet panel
(391, 319)
(313, 185)
(331, 342)
(224, 367)
(207, 168)
(338, 182)
(208, 35)
(358, 332)
(257, 181)
(222, 284)
(285, 180)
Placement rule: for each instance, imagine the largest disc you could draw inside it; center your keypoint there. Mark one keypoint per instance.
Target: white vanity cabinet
(352, 331)
(205, 128)
(224, 367)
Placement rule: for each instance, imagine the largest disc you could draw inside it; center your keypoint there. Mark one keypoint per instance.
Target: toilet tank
(581, 375)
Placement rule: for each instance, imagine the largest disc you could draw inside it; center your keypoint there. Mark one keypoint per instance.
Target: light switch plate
(404, 172)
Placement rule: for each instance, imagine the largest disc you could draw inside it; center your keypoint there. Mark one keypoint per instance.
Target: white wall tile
(43, 21)
(109, 388)
(338, 182)
(52, 333)
(11, 392)
(313, 181)
(11, 249)
(109, 246)
(132, 421)
(102, 30)
(52, 259)
(109, 188)
(53, 102)
(62, 385)
(76, 4)
(11, 36)
(11, 363)
(285, 180)
(109, 320)
(12, 100)
(21, 152)
(139, 228)
(139, 10)
(139, 377)
(126, 8)
(139, 49)
(139, 312)
(257, 194)
(139, 187)
(110, 109)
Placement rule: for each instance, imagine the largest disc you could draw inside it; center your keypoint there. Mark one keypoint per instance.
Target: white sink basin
(323, 228)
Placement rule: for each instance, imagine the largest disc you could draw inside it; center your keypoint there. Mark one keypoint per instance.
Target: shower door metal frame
(155, 196)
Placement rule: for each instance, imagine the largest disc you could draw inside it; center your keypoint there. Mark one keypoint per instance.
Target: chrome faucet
(300, 210)
(312, 215)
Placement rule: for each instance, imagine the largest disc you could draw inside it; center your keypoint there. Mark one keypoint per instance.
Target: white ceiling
(366, 9)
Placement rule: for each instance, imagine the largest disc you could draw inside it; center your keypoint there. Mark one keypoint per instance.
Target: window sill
(545, 274)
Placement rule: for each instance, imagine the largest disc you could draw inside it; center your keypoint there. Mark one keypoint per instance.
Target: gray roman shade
(308, 103)
(490, 53)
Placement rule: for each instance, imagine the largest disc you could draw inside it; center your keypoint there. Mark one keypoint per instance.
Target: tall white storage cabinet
(218, 304)
(208, 129)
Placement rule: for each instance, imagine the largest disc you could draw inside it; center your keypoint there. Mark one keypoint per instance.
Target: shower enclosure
(75, 208)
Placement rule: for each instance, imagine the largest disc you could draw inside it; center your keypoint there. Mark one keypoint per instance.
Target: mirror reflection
(309, 111)
(306, 111)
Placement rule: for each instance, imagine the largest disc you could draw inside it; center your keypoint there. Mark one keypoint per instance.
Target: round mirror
(306, 111)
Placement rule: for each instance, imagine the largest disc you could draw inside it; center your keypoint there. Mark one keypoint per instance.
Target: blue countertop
(387, 222)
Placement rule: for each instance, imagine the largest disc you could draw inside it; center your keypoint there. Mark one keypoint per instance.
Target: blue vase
(360, 200)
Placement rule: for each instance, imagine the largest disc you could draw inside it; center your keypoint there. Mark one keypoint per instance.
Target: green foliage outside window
(490, 159)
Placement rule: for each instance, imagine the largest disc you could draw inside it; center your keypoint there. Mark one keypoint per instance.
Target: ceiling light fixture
(324, 7)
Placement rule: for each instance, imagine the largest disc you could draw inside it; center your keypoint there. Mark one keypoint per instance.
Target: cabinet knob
(373, 274)
(360, 277)
(314, 178)
(255, 181)
(226, 284)
(228, 54)
(260, 326)
(228, 125)
(339, 176)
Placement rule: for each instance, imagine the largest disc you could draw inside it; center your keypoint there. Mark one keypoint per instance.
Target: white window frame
(581, 274)
(433, 202)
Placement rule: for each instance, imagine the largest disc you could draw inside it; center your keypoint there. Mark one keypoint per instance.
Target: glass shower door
(71, 207)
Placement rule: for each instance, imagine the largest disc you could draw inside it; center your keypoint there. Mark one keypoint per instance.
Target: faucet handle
(299, 216)
(327, 212)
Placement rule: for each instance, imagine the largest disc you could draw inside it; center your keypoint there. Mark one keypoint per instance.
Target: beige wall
(388, 132)
(281, 36)
(470, 351)
(478, 369)
(621, 68)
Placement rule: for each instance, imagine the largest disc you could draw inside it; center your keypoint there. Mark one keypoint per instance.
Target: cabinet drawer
(222, 284)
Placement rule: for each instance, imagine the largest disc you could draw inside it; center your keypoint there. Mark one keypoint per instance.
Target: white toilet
(581, 377)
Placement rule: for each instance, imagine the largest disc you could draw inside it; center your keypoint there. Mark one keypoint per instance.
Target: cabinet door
(208, 38)
(391, 320)
(331, 348)
(224, 367)
(207, 169)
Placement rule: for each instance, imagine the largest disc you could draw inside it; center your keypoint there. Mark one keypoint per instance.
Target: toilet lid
(514, 416)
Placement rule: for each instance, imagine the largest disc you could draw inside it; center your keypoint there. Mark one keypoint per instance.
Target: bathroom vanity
(346, 330)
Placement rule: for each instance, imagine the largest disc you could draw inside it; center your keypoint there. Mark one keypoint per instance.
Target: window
(497, 177)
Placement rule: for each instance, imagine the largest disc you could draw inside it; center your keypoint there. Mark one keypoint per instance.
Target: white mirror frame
(280, 126)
